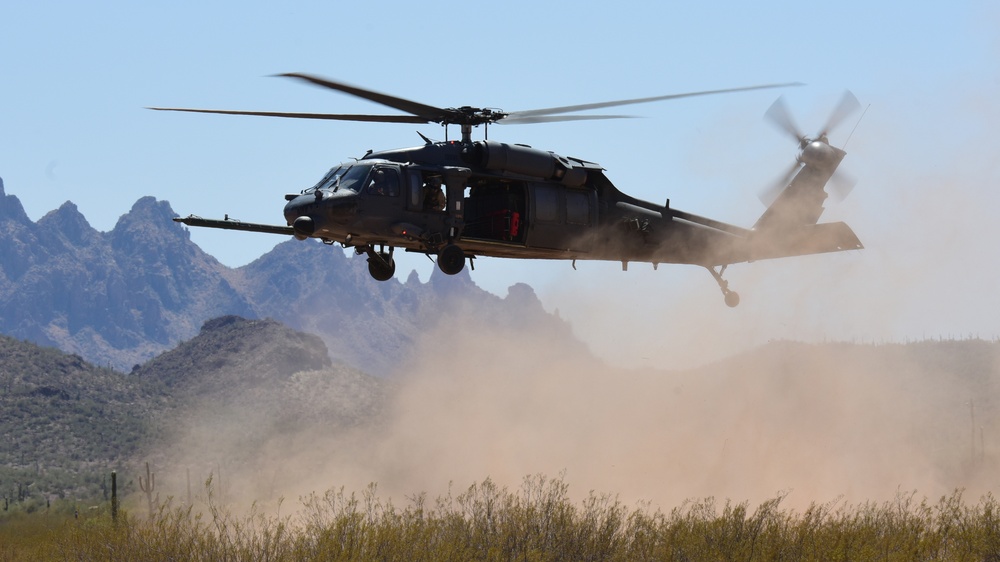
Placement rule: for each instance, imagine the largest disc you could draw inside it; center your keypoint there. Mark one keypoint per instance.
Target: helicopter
(461, 199)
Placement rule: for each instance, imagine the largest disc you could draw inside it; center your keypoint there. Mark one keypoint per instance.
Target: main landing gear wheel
(381, 266)
(451, 259)
(732, 297)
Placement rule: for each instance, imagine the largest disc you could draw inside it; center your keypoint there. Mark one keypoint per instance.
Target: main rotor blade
(559, 118)
(330, 116)
(428, 112)
(848, 105)
(601, 105)
(779, 115)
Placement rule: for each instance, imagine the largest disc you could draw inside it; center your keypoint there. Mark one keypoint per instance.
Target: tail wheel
(451, 259)
(732, 299)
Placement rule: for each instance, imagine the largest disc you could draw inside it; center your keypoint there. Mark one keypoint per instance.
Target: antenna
(867, 107)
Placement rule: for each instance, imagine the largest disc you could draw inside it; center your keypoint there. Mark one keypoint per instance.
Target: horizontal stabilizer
(803, 240)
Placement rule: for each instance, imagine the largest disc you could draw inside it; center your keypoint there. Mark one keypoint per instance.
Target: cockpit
(345, 176)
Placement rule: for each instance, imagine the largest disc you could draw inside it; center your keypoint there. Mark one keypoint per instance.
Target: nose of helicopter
(310, 213)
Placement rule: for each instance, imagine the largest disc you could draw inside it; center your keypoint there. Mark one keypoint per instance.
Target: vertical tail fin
(800, 201)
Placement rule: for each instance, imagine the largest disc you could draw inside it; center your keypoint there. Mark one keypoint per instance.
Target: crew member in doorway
(434, 198)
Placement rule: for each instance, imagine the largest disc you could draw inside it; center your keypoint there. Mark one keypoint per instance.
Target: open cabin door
(496, 210)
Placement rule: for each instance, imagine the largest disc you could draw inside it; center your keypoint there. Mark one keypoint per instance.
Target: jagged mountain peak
(413, 279)
(116, 298)
(522, 293)
(148, 237)
(458, 284)
(11, 207)
(65, 210)
(150, 207)
(150, 217)
(70, 222)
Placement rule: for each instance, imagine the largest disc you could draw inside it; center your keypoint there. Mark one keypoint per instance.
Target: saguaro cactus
(114, 496)
(147, 488)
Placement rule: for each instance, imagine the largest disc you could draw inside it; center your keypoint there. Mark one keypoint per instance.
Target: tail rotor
(811, 149)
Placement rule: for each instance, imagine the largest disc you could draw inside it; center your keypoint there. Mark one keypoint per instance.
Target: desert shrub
(536, 522)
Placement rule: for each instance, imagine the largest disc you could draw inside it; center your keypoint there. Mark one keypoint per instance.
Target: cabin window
(416, 190)
(578, 207)
(546, 203)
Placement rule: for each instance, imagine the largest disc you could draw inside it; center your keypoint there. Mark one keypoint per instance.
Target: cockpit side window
(384, 182)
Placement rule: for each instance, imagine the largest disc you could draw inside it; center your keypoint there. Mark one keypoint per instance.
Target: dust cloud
(684, 398)
(818, 422)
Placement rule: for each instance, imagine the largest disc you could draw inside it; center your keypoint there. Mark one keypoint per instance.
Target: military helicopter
(460, 199)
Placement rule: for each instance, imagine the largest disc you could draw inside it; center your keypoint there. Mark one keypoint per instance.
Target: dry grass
(538, 521)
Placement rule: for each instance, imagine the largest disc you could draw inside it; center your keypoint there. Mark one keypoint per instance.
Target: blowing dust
(815, 422)
(644, 417)
(819, 423)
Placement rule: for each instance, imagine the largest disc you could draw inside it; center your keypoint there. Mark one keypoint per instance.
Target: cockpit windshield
(349, 176)
(326, 179)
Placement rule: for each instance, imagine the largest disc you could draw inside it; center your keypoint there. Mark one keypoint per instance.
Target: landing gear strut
(732, 297)
(381, 266)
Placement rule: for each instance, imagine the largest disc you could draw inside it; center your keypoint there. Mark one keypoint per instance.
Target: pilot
(378, 183)
(434, 198)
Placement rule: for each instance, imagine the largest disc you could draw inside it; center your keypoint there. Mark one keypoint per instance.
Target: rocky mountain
(243, 391)
(68, 423)
(119, 298)
(61, 417)
(115, 298)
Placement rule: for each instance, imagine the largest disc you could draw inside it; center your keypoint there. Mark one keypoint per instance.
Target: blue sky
(76, 78)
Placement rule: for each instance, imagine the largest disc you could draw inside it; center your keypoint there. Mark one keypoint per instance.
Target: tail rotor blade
(779, 115)
(848, 105)
(771, 194)
(842, 184)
